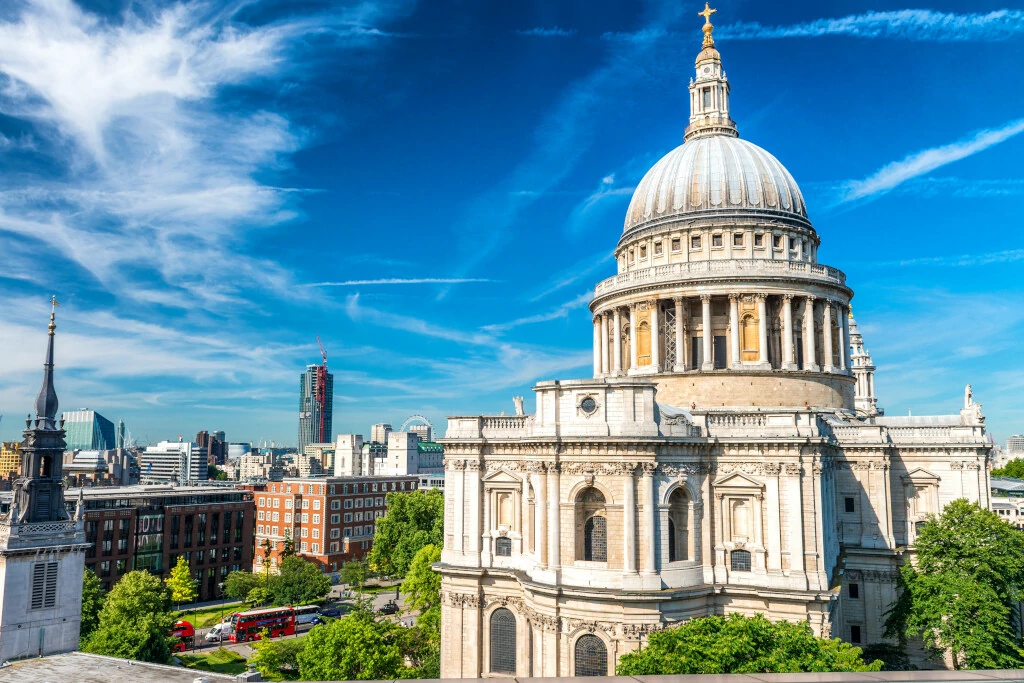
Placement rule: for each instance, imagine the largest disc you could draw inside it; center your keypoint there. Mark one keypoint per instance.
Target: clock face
(707, 69)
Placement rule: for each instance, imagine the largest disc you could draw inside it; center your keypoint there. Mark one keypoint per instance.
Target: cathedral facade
(728, 455)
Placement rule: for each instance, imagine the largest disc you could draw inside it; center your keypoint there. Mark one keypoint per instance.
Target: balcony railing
(698, 270)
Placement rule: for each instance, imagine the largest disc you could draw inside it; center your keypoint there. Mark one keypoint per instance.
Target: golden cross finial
(53, 312)
(708, 28)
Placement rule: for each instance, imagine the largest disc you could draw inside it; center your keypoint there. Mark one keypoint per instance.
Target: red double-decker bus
(246, 626)
(184, 635)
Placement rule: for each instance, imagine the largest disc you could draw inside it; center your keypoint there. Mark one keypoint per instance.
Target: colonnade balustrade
(659, 335)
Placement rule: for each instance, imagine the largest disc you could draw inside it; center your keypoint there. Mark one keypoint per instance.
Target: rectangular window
(759, 240)
(277, 502)
(854, 633)
(316, 548)
(261, 502)
(316, 533)
(288, 504)
(737, 239)
(676, 244)
(260, 515)
(316, 504)
(275, 519)
(348, 516)
(305, 532)
(335, 519)
(316, 519)
(305, 504)
(287, 517)
(657, 252)
(695, 242)
(716, 240)
(305, 517)
(855, 591)
(259, 528)
(643, 252)
(707, 98)
(105, 568)
(851, 505)
(777, 241)
(304, 547)
(44, 584)
(348, 504)
(335, 504)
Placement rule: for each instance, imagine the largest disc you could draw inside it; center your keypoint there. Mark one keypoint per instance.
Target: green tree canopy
(355, 648)
(135, 622)
(298, 582)
(422, 584)
(215, 473)
(413, 520)
(354, 574)
(238, 584)
(180, 582)
(1013, 469)
(92, 603)
(961, 596)
(739, 644)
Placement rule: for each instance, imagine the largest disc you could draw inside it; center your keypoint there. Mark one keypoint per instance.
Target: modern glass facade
(87, 430)
(315, 414)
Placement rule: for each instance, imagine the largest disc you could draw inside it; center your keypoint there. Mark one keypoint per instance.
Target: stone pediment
(738, 480)
(921, 476)
(502, 477)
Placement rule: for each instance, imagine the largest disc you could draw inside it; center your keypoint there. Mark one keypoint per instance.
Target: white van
(306, 613)
(218, 633)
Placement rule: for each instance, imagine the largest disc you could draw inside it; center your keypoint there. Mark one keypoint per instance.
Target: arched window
(627, 354)
(643, 343)
(678, 525)
(591, 656)
(44, 466)
(740, 560)
(750, 341)
(503, 547)
(503, 642)
(592, 526)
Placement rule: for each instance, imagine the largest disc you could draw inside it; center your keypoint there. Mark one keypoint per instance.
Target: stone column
(650, 523)
(794, 501)
(827, 335)
(773, 544)
(604, 344)
(475, 508)
(632, 337)
(810, 355)
(524, 516)
(655, 337)
(708, 334)
(617, 341)
(628, 521)
(734, 330)
(554, 518)
(844, 338)
(762, 329)
(540, 512)
(680, 337)
(459, 493)
(788, 357)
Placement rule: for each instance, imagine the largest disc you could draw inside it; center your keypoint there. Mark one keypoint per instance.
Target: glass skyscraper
(315, 407)
(87, 430)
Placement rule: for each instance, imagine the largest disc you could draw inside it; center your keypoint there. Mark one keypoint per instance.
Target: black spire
(46, 401)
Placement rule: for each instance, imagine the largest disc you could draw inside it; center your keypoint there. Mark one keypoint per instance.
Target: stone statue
(968, 396)
(518, 402)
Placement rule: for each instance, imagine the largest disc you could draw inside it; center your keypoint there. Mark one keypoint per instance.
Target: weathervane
(708, 27)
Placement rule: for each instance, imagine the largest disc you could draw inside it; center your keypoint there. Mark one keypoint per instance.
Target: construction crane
(321, 389)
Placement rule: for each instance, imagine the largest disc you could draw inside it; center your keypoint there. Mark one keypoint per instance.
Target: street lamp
(220, 631)
(195, 613)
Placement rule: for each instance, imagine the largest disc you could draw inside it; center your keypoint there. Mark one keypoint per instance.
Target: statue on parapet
(518, 402)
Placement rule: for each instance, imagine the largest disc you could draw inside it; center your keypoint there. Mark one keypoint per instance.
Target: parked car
(332, 612)
(389, 608)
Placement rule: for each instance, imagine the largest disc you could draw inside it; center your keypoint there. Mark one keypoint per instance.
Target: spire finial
(708, 26)
(53, 313)
(46, 401)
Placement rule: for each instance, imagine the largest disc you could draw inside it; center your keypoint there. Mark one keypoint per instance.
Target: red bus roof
(261, 612)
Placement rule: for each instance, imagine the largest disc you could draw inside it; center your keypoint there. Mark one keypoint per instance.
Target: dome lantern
(709, 90)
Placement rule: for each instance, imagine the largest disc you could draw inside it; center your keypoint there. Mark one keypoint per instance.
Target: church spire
(46, 401)
(709, 90)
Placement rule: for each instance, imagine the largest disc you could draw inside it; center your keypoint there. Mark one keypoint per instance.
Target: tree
(739, 644)
(92, 602)
(135, 622)
(258, 596)
(215, 473)
(413, 520)
(238, 584)
(265, 657)
(353, 648)
(1013, 469)
(298, 582)
(962, 595)
(354, 574)
(268, 547)
(422, 587)
(180, 582)
(289, 544)
(422, 584)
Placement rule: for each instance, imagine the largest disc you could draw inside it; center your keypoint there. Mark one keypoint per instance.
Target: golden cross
(707, 14)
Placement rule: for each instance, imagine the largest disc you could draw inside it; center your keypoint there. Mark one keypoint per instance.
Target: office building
(10, 459)
(379, 432)
(88, 430)
(216, 447)
(424, 432)
(1015, 447)
(331, 520)
(316, 401)
(180, 462)
(100, 468)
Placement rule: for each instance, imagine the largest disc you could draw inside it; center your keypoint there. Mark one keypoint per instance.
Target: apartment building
(331, 520)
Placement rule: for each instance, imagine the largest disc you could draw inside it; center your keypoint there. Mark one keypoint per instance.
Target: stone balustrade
(699, 270)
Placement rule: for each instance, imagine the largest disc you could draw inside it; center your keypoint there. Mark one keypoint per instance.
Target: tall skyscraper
(316, 402)
(87, 430)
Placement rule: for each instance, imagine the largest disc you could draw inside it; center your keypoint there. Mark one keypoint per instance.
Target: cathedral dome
(715, 174)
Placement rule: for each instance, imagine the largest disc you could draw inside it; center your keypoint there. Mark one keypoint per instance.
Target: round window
(588, 405)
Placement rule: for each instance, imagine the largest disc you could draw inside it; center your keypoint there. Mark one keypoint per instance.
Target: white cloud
(360, 313)
(553, 32)
(402, 281)
(561, 311)
(907, 24)
(574, 274)
(925, 161)
(963, 260)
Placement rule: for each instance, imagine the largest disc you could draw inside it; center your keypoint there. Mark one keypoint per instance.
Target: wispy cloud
(394, 321)
(553, 32)
(561, 311)
(925, 161)
(962, 261)
(574, 274)
(402, 281)
(581, 213)
(907, 24)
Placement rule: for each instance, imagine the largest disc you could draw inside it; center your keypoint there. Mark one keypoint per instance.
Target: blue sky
(434, 188)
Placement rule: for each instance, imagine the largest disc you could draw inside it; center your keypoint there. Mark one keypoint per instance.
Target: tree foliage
(1013, 469)
(353, 648)
(215, 473)
(354, 574)
(298, 582)
(413, 520)
(961, 596)
(92, 602)
(135, 621)
(422, 584)
(238, 584)
(180, 582)
(739, 644)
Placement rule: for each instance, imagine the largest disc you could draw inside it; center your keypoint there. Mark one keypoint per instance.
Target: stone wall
(756, 389)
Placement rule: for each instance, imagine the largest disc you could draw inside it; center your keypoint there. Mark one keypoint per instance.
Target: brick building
(148, 527)
(330, 519)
